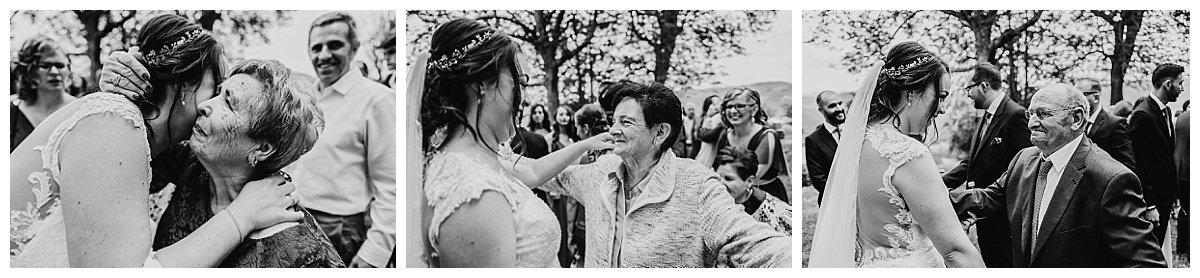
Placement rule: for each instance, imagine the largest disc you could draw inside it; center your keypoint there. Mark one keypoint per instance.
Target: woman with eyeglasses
(39, 78)
(745, 123)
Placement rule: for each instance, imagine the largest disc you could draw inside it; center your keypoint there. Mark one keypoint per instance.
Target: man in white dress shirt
(1068, 202)
(348, 180)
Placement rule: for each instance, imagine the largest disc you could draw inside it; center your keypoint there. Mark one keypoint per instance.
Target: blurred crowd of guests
(730, 133)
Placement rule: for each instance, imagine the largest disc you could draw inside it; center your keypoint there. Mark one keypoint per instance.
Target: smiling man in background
(350, 175)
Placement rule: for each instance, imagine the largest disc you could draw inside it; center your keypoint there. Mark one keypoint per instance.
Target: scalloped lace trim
(905, 236)
(29, 222)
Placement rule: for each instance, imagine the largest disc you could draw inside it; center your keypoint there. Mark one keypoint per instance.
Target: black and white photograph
(996, 138)
(598, 139)
(202, 138)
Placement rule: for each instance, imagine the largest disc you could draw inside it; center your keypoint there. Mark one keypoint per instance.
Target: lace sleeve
(452, 180)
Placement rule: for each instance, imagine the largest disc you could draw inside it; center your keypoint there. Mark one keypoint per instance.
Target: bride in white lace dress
(479, 210)
(885, 197)
(80, 182)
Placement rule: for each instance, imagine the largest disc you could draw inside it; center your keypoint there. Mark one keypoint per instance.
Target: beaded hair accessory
(446, 61)
(158, 57)
(897, 71)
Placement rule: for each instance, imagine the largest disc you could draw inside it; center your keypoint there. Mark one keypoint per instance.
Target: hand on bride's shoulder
(264, 203)
(124, 74)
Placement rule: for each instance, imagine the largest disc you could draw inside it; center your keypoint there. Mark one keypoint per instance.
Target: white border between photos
(797, 6)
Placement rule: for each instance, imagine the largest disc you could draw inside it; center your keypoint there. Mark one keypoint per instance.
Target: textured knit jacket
(684, 217)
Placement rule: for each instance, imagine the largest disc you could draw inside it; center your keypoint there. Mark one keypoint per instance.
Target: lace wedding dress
(38, 233)
(888, 236)
(453, 179)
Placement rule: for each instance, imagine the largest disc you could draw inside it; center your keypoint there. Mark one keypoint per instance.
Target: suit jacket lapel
(1101, 120)
(1062, 195)
(1001, 116)
(1160, 121)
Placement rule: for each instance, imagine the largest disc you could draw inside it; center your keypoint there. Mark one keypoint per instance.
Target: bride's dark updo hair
(908, 67)
(177, 52)
(464, 53)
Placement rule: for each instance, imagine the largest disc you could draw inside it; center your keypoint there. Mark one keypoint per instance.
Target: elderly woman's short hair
(286, 116)
(743, 161)
(659, 105)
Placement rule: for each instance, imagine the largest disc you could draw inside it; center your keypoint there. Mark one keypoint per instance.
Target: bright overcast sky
(768, 56)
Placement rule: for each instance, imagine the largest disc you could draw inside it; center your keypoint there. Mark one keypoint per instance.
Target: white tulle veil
(417, 212)
(837, 225)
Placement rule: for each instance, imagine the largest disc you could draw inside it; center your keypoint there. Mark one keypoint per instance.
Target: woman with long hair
(40, 76)
(889, 207)
(709, 129)
(80, 182)
(745, 122)
(480, 210)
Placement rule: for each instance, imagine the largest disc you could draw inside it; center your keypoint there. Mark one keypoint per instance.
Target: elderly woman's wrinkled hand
(123, 74)
(602, 141)
(266, 202)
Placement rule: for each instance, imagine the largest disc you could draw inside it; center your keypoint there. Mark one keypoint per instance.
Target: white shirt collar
(1095, 114)
(343, 84)
(1062, 156)
(1159, 102)
(829, 127)
(995, 105)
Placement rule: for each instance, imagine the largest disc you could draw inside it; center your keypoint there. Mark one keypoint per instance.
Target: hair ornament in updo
(897, 71)
(446, 61)
(158, 57)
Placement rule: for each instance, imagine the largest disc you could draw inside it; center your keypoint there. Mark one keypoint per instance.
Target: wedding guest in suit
(1109, 132)
(1001, 133)
(1183, 161)
(1152, 130)
(820, 145)
(1070, 204)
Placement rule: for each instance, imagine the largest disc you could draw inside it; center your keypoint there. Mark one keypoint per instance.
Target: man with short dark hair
(648, 208)
(1152, 130)
(348, 179)
(1001, 133)
(1109, 132)
(820, 145)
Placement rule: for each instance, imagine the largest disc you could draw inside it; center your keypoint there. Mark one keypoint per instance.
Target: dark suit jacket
(1111, 134)
(1093, 219)
(819, 147)
(1152, 147)
(1182, 159)
(1005, 136)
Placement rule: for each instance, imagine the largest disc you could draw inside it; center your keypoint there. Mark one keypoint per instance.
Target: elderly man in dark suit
(1152, 128)
(820, 145)
(1109, 132)
(1001, 133)
(1068, 202)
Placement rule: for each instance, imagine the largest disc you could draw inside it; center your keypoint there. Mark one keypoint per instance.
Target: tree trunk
(669, 30)
(1125, 33)
(208, 18)
(91, 32)
(550, 67)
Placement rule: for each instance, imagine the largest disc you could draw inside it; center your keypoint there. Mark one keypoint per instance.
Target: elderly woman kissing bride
(262, 118)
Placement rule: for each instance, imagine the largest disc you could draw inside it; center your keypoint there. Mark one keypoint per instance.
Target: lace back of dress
(43, 218)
